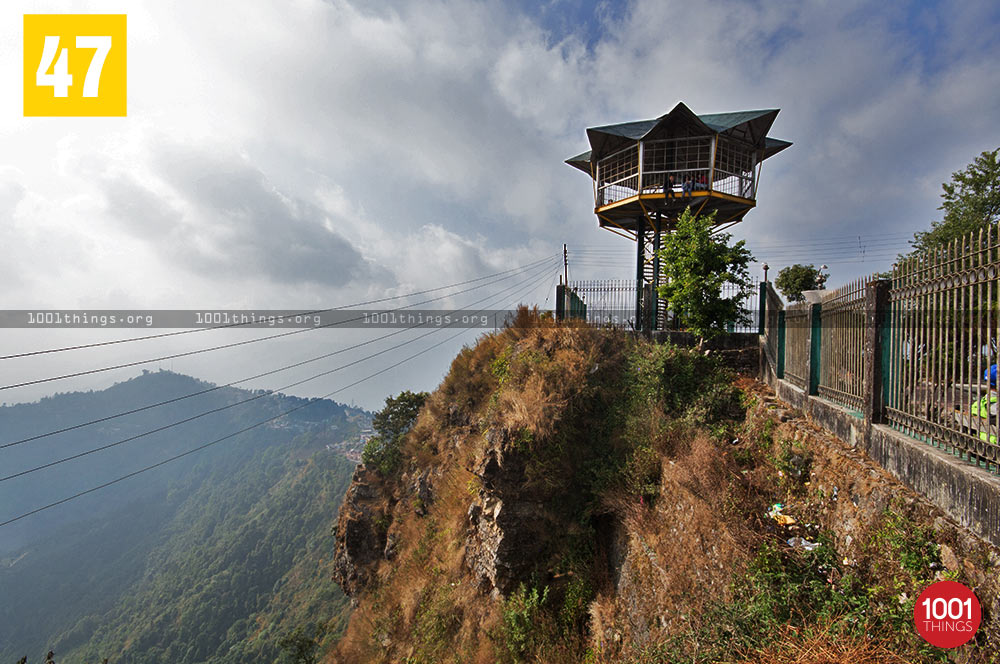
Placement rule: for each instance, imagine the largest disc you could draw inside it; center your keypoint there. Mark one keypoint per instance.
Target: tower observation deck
(646, 173)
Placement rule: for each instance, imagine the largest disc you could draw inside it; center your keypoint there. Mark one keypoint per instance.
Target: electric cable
(230, 325)
(228, 436)
(220, 347)
(219, 387)
(258, 395)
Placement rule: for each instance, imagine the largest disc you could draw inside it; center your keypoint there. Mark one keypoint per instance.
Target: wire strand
(223, 346)
(217, 387)
(228, 436)
(258, 395)
(231, 325)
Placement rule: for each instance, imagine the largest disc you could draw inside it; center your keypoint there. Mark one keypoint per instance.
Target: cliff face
(570, 494)
(497, 492)
(361, 538)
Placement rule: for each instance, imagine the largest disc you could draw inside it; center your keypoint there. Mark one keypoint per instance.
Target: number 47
(60, 79)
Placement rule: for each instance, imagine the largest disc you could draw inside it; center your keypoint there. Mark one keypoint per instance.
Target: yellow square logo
(74, 65)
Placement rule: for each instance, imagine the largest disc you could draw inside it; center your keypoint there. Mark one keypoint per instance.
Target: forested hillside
(212, 559)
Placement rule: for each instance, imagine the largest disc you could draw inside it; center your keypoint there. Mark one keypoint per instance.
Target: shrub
(521, 613)
(383, 451)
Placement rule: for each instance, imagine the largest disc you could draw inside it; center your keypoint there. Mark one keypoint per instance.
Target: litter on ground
(800, 543)
(782, 519)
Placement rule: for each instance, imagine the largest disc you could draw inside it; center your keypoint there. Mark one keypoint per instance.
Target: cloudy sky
(308, 153)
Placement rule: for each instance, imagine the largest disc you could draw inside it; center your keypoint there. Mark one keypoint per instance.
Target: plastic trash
(801, 543)
(782, 519)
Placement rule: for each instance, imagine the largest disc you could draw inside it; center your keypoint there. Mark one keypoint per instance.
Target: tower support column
(655, 300)
(640, 259)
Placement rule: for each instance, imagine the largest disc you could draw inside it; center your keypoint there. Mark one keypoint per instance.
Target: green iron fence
(943, 344)
(842, 356)
(772, 318)
(916, 351)
(797, 344)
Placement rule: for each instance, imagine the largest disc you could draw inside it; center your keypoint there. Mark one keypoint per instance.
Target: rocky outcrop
(509, 523)
(365, 533)
(362, 530)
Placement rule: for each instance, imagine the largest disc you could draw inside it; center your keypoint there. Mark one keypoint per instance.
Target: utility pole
(565, 266)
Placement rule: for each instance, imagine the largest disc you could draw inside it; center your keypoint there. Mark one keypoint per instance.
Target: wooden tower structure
(646, 173)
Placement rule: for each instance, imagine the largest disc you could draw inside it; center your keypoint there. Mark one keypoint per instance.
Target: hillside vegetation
(217, 558)
(571, 494)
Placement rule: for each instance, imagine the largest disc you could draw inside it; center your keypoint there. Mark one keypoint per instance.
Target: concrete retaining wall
(969, 495)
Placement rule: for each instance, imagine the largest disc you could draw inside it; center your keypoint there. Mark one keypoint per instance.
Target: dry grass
(825, 647)
(534, 386)
(427, 579)
(681, 552)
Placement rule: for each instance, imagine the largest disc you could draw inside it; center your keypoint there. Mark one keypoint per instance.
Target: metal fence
(750, 304)
(842, 345)
(773, 328)
(927, 338)
(611, 302)
(797, 344)
(943, 344)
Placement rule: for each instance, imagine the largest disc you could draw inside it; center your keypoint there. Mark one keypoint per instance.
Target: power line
(878, 237)
(230, 384)
(228, 436)
(787, 249)
(230, 345)
(230, 325)
(846, 243)
(263, 394)
(823, 256)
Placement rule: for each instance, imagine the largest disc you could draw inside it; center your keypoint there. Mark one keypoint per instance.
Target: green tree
(970, 201)
(383, 451)
(696, 263)
(794, 279)
(300, 647)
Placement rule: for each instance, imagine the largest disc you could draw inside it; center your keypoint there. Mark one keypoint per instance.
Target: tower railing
(618, 176)
(647, 167)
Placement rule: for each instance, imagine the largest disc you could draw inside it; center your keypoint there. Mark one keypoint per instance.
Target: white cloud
(306, 153)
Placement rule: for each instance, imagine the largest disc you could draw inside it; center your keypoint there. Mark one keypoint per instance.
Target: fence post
(761, 308)
(815, 339)
(561, 302)
(780, 372)
(876, 324)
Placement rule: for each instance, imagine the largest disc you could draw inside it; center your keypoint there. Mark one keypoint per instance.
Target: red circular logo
(947, 614)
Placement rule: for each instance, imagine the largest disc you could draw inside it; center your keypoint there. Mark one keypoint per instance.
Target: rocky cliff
(570, 494)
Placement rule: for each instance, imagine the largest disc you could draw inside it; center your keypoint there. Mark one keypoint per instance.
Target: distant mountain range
(183, 563)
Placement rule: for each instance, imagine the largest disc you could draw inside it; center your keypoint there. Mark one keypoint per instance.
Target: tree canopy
(696, 264)
(794, 279)
(970, 201)
(382, 451)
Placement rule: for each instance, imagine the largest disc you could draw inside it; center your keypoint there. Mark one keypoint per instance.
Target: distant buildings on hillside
(351, 448)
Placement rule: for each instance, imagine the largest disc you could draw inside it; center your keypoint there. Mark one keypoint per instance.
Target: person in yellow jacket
(986, 407)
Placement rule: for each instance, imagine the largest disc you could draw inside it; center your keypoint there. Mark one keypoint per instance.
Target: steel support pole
(640, 253)
(656, 271)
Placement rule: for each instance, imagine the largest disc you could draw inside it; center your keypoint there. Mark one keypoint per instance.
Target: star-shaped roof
(751, 126)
